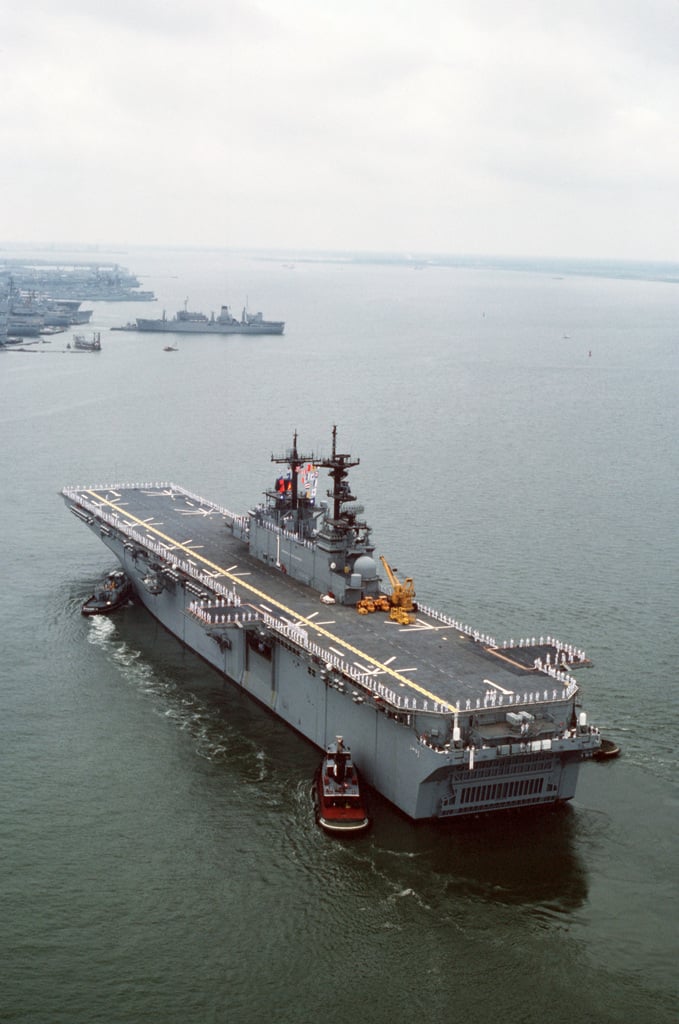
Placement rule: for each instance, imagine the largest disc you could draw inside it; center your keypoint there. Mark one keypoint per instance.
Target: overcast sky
(509, 127)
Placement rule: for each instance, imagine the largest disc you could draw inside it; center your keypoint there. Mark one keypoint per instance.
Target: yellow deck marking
(278, 604)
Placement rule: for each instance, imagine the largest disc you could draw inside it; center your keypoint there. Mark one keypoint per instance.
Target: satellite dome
(366, 566)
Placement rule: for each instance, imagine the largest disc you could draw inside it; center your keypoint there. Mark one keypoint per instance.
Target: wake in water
(215, 739)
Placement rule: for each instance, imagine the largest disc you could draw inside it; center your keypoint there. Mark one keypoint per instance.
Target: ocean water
(517, 434)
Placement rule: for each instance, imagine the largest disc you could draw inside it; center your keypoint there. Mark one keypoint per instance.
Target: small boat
(170, 348)
(339, 806)
(83, 344)
(110, 593)
(607, 750)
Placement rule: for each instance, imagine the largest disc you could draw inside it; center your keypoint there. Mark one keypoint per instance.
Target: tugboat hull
(111, 593)
(338, 803)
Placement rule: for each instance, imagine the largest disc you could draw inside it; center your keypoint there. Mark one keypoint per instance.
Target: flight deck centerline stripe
(278, 604)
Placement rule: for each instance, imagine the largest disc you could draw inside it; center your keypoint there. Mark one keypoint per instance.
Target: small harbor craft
(607, 751)
(83, 344)
(110, 593)
(338, 803)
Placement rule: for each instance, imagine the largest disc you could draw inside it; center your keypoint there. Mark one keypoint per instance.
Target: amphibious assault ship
(287, 603)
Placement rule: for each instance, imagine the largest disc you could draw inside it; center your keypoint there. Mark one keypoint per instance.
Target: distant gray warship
(186, 322)
(287, 603)
(96, 281)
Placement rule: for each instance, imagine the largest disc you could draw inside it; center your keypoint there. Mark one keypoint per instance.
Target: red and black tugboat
(340, 808)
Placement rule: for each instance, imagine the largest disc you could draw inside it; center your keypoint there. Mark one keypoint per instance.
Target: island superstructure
(443, 720)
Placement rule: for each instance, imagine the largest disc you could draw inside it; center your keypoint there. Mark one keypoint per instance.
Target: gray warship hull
(207, 327)
(442, 720)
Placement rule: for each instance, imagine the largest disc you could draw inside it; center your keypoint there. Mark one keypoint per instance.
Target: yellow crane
(402, 597)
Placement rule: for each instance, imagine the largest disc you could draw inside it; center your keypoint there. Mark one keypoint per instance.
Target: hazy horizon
(528, 131)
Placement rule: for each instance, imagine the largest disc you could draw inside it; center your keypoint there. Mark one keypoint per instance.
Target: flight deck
(434, 663)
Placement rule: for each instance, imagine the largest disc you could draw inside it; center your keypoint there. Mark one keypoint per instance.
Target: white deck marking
(380, 669)
(497, 686)
(427, 625)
